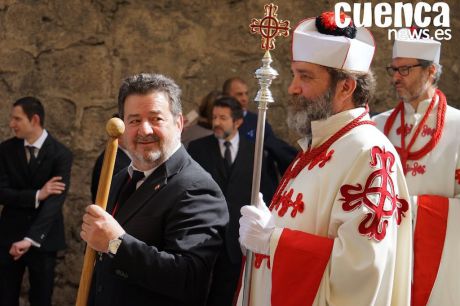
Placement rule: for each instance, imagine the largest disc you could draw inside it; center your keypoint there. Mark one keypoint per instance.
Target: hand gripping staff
(115, 127)
(269, 28)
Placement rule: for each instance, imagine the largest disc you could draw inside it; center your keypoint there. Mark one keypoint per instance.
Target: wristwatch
(114, 244)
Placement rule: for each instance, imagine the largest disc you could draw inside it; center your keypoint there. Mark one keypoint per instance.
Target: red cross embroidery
(270, 27)
(380, 185)
(457, 175)
(415, 169)
(407, 129)
(302, 160)
(258, 258)
(321, 159)
(285, 202)
(427, 131)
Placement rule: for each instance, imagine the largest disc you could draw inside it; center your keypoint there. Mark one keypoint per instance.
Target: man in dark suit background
(228, 157)
(279, 154)
(169, 216)
(34, 180)
(122, 160)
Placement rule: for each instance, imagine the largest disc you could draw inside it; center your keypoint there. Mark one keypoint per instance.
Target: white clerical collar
(39, 142)
(422, 106)
(322, 129)
(304, 142)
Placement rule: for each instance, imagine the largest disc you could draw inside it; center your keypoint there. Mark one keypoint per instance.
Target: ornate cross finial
(270, 27)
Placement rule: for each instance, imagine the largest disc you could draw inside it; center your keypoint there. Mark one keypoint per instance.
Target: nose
(396, 77)
(145, 129)
(11, 124)
(245, 98)
(294, 88)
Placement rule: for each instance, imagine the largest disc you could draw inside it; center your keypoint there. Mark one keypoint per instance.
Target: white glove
(256, 227)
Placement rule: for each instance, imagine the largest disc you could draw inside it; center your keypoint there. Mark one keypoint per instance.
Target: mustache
(148, 138)
(298, 100)
(217, 127)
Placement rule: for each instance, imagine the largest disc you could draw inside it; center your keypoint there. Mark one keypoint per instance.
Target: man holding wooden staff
(165, 218)
(338, 229)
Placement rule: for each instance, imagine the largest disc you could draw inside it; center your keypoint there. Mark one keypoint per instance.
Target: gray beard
(302, 111)
(422, 87)
(149, 159)
(153, 158)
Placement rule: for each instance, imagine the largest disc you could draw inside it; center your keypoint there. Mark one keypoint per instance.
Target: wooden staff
(115, 127)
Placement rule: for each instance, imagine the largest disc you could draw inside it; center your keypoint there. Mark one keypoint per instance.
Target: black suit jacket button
(99, 289)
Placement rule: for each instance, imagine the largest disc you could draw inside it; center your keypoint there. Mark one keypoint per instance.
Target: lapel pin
(157, 186)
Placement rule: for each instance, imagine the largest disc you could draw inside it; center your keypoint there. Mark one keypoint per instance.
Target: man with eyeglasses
(424, 130)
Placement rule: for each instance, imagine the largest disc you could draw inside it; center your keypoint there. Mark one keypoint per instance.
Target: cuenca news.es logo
(399, 15)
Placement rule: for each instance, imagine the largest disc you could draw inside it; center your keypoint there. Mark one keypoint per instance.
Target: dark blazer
(174, 222)
(279, 154)
(235, 185)
(122, 161)
(18, 187)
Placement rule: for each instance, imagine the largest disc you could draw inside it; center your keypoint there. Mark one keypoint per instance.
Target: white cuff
(37, 202)
(34, 243)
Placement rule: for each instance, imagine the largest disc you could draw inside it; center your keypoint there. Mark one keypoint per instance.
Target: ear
(180, 122)
(238, 122)
(343, 98)
(432, 72)
(35, 120)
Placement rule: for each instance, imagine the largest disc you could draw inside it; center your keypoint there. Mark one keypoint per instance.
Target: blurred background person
(203, 126)
(279, 154)
(229, 157)
(34, 180)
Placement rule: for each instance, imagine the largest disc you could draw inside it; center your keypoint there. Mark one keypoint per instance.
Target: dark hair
(146, 83)
(228, 84)
(425, 64)
(365, 84)
(32, 106)
(233, 104)
(205, 108)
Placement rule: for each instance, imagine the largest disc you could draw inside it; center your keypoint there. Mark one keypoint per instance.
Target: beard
(302, 111)
(411, 93)
(222, 134)
(152, 157)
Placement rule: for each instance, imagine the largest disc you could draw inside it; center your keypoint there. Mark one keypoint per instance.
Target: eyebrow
(150, 113)
(302, 70)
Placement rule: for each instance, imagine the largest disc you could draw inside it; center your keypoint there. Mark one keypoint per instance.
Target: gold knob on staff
(115, 128)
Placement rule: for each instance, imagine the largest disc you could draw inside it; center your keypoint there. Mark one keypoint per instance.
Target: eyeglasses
(403, 70)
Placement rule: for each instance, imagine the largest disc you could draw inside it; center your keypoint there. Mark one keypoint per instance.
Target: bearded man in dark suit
(34, 180)
(229, 158)
(165, 219)
(277, 152)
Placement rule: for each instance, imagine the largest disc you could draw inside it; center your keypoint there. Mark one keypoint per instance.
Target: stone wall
(73, 54)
